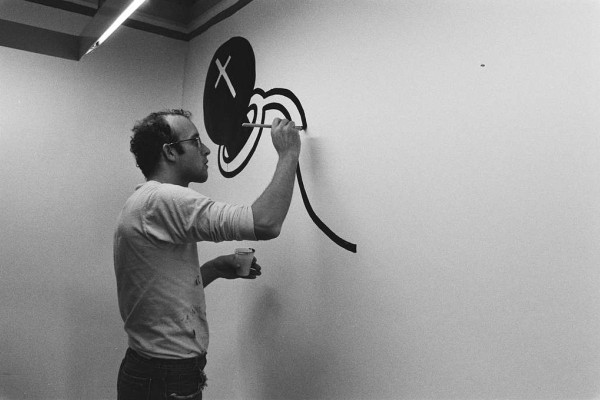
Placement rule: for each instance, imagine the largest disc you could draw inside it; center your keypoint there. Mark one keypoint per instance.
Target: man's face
(192, 163)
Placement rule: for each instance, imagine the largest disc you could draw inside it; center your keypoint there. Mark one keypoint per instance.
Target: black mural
(229, 87)
(230, 98)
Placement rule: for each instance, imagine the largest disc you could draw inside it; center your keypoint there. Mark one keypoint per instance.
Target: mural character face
(227, 92)
(230, 100)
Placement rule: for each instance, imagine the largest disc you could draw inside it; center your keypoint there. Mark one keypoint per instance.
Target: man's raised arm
(271, 207)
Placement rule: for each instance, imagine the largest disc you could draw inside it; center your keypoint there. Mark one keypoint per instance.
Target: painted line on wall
(320, 224)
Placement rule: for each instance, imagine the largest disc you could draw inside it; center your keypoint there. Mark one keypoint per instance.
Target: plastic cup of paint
(243, 260)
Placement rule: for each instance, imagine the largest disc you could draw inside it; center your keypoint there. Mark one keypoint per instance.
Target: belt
(199, 360)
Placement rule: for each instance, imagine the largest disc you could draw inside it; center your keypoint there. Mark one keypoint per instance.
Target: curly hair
(149, 136)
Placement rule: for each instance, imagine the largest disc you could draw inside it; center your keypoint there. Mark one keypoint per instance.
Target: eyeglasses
(197, 139)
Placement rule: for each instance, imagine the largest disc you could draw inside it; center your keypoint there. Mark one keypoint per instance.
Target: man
(160, 282)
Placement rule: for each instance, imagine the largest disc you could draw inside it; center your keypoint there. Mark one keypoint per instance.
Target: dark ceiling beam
(43, 41)
(152, 8)
(67, 6)
(226, 13)
(176, 12)
(38, 40)
(181, 12)
(146, 27)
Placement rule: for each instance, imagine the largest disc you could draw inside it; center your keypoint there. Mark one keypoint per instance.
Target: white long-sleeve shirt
(160, 291)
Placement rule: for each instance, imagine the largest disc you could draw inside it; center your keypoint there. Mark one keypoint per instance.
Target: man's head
(168, 140)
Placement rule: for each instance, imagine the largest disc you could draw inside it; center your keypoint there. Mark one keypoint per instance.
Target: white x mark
(223, 74)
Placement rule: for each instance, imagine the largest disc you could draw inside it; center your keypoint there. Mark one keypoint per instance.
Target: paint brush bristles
(248, 125)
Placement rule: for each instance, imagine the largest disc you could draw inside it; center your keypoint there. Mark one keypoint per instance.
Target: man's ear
(169, 153)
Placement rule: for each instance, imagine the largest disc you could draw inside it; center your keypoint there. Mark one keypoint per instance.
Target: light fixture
(135, 4)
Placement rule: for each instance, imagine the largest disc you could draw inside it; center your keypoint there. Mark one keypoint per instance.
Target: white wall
(472, 192)
(67, 170)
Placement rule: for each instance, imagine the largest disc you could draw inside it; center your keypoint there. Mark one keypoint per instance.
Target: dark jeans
(142, 378)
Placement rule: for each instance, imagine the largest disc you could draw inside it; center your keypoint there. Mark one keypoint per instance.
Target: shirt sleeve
(177, 214)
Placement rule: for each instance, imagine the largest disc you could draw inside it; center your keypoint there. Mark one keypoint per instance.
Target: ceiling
(67, 28)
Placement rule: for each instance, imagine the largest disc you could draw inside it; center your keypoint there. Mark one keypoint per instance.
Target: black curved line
(320, 224)
(231, 174)
(276, 106)
(338, 240)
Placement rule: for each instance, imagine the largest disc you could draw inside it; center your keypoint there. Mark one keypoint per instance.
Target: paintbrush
(248, 125)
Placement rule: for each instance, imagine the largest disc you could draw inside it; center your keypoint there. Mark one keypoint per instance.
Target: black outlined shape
(227, 92)
(230, 99)
(276, 106)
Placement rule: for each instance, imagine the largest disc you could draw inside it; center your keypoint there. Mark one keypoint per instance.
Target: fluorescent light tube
(113, 27)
